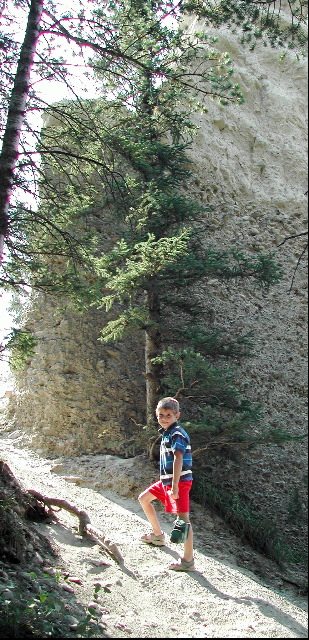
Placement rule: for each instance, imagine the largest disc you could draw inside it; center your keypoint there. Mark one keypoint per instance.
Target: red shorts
(181, 504)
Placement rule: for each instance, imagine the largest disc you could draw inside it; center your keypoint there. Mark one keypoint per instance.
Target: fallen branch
(85, 526)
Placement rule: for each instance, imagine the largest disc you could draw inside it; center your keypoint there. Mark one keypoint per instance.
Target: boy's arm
(177, 468)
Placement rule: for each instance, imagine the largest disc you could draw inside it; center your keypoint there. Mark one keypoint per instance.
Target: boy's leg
(188, 545)
(145, 500)
(187, 562)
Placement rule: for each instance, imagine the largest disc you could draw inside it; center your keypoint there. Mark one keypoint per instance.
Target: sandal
(150, 538)
(183, 565)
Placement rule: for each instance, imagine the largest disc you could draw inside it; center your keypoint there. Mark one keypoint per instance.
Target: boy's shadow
(267, 609)
(170, 552)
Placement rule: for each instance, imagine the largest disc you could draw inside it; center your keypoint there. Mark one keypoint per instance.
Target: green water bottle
(180, 531)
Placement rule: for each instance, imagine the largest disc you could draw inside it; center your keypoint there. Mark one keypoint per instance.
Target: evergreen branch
(83, 42)
(255, 441)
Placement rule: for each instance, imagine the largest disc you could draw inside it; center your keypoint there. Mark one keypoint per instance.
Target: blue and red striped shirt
(175, 438)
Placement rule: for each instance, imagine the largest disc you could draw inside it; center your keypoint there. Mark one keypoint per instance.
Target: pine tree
(123, 160)
(37, 58)
(162, 252)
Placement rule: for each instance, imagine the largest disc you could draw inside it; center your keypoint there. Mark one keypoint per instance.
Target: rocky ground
(234, 592)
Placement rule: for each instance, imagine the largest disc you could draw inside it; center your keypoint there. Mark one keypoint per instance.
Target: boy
(175, 482)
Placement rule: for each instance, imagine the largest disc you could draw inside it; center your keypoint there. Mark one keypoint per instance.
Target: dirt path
(143, 599)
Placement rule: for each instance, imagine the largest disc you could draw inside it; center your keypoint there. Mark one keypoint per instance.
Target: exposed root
(85, 526)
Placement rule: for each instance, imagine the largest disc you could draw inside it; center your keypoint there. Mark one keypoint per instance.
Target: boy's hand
(173, 493)
(177, 466)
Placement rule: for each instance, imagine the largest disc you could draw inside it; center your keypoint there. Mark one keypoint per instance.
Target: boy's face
(166, 417)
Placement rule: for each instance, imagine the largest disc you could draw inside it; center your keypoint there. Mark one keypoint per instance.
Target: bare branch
(297, 235)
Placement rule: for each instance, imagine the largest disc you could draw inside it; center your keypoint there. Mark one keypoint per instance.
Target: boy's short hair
(169, 403)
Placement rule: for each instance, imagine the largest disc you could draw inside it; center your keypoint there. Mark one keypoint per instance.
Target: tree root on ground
(85, 526)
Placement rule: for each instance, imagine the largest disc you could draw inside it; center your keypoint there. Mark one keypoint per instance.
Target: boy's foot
(150, 538)
(183, 565)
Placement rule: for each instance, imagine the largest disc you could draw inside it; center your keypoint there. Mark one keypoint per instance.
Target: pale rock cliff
(251, 162)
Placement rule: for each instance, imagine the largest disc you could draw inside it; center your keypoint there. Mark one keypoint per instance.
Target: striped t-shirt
(175, 438)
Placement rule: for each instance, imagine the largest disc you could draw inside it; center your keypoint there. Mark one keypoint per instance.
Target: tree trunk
(153, 348)
(16, 113)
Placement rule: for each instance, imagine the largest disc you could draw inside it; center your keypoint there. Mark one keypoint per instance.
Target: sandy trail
(143, 599)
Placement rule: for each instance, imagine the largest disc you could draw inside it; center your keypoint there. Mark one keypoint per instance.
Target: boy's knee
(145, 497)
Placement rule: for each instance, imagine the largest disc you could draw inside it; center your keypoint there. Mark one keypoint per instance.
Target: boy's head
(167, 412)
(169, 403)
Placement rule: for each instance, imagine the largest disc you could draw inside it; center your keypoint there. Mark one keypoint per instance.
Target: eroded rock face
(252, 165)
(79, 397)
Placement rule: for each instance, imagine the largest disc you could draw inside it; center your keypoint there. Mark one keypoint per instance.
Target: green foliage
(147, 260)
(42, 615)
(21, 617)
(209, 392)
(142, 60)
(189, 369)
(221, 415)
(149, 50)
(215, 343)
(48, 250)
(87, 627)
(224, 265)
(266, 22)
(125, 324)
(120, 167)
(137, 168)
(259, 531)
(21, 345)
